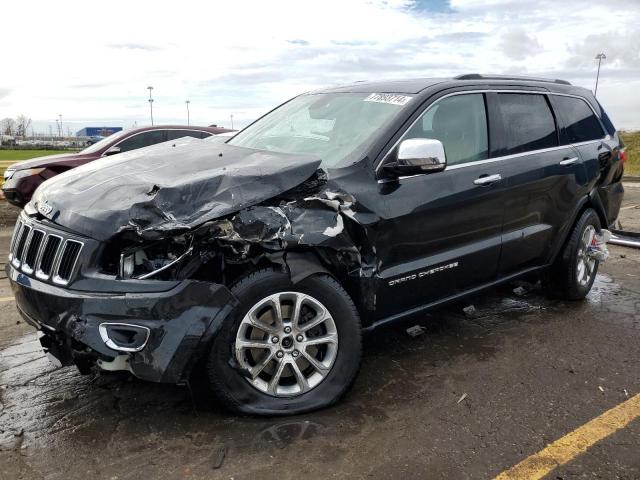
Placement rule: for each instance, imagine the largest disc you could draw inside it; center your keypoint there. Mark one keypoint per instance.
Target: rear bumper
(180, 323)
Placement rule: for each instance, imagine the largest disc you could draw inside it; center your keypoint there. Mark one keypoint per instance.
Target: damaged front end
(156, 333)
(308, 219)
(148, 293)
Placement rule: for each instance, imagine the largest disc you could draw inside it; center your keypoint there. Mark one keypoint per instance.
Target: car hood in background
(73, 159)
(167, 188)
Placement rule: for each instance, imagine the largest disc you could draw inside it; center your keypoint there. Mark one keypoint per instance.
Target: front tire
(574, 271)
(288, 348)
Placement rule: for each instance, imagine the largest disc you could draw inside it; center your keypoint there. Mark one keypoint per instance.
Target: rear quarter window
(580, 123)
(606, 121)
(175, 134)
(528, 123)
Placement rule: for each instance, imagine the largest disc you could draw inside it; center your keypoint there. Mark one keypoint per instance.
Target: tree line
(15, 127)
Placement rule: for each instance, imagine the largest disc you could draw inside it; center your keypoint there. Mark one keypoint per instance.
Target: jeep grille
(44, 252)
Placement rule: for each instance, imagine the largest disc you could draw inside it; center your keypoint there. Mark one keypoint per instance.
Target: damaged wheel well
(297, 264)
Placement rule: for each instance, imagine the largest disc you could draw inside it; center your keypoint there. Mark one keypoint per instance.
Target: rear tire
(288, 374)
(573, 272)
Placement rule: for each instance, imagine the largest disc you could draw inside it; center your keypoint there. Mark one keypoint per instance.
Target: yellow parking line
(573, 444)
(6, 299)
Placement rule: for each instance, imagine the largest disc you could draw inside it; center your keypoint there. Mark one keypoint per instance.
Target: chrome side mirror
(418, 156)
(112, 151)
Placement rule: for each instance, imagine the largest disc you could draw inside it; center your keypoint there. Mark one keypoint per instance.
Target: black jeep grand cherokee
(265, 257)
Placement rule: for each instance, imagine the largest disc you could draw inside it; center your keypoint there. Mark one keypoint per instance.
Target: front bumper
(18, 192)
(13, 197)
(181, 321)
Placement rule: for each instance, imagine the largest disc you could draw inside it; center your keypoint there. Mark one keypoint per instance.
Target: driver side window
(460, 123)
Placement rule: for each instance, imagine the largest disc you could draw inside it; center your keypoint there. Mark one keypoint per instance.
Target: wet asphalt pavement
(473, 395)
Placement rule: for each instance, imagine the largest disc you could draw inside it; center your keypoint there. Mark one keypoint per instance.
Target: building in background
(97, 131)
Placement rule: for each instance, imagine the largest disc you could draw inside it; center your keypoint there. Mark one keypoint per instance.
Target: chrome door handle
(488, 179)
(569, 161)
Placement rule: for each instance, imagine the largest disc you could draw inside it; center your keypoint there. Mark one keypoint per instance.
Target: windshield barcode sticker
(392, 98)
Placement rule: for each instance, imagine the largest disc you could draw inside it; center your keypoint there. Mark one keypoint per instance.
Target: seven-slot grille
(49, 255)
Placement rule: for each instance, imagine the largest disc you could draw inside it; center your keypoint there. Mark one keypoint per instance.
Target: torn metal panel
(316, 221)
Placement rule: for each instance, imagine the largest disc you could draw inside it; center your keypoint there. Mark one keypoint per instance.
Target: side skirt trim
(450, 299)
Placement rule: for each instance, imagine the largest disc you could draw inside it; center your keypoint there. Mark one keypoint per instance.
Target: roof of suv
(417, 85)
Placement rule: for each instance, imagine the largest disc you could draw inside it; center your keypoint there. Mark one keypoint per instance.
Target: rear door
(582, 129)
(442, 231)
(542, 179)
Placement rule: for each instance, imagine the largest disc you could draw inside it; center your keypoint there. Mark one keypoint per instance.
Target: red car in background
(21, 179)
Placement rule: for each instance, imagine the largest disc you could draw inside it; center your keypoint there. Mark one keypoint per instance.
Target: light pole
(61, 130)
(58, 128)
(599, 57)
(150, 103)
(188, 119)
(232, 121)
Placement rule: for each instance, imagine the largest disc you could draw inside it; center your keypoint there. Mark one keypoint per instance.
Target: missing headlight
(150, 260)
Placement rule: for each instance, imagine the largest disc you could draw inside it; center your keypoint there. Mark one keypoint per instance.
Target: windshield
(103, 143)
(336, 127)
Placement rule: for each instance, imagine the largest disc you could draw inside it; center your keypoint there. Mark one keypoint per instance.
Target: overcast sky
(92, 61)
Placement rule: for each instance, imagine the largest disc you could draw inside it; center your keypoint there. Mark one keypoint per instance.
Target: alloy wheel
(286, 344)
(586, 264)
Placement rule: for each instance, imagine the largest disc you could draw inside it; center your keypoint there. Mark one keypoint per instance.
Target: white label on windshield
(392, 98)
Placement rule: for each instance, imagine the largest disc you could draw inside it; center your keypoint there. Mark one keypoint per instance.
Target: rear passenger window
(528, 122)
(460, 123)
(581, 125)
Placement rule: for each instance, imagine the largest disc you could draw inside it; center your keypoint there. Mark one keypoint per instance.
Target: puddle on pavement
(603, 288)
(617, 305)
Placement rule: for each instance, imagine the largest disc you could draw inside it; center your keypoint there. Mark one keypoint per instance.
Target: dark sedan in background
(21, 179)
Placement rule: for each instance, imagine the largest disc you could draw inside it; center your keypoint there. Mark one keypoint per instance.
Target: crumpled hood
(167, 187)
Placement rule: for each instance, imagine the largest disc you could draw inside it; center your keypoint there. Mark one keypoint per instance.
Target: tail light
(623, 155)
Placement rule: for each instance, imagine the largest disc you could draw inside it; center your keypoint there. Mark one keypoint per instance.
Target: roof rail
(477, 76)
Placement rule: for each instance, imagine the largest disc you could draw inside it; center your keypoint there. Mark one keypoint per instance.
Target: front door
(441, 232)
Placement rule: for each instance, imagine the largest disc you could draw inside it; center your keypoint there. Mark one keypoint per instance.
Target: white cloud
(243, 57)
(516, 44)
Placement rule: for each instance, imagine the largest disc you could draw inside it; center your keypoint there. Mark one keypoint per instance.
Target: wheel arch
(593, 201)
